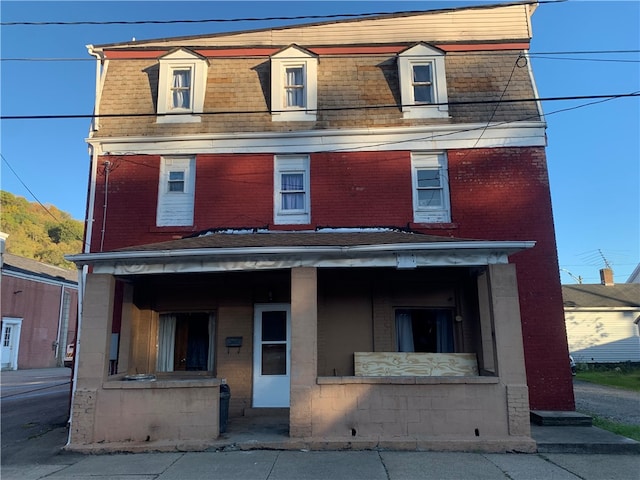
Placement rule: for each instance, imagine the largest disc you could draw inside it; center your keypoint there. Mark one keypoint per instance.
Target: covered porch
(309, 322)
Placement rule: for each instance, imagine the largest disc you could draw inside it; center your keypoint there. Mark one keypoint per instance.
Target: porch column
(304, 350)
(92, 360)
(509, 345)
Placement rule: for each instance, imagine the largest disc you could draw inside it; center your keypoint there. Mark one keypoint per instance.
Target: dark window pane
(421, 73)
(428, 178)
(274, 326)
(422, 94)
(274, 359)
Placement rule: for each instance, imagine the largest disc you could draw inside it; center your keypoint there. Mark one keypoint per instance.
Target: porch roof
(262, 249)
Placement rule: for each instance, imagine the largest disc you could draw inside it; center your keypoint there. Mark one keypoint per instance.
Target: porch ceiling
(268, 250)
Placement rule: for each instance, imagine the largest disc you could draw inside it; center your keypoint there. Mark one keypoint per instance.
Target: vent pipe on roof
(606, 276)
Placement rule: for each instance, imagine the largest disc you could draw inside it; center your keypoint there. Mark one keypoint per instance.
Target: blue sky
(593, 152)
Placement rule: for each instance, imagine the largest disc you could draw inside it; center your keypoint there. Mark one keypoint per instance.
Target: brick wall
(496, 194)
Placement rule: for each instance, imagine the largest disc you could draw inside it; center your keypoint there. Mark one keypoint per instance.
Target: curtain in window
(212, 342)
(292, 187)
(445, 331)
(166, 342)
(404, 332)
(295, 87)
(180, 90)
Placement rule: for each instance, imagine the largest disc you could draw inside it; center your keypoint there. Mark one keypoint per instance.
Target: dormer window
(423, 83)
(294, 90)
(181, 86)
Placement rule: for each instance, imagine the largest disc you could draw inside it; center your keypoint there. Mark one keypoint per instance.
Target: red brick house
(350, 220)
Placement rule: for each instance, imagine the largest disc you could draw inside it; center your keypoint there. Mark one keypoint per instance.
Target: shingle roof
(345, 238)
(19, 264)
(597, 295)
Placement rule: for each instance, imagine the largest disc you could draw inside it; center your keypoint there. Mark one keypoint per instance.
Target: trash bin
(225, 394)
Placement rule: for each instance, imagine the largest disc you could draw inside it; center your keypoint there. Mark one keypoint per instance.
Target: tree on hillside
(42, 235)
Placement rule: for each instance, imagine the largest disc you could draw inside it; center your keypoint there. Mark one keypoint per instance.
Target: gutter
(88, 259)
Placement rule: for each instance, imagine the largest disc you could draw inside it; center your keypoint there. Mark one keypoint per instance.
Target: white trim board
(440, 137)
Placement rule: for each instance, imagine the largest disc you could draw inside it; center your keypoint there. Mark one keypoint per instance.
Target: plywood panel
(376, 364)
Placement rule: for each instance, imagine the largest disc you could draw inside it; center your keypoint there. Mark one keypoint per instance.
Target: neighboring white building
(602, 320)
(635, 275)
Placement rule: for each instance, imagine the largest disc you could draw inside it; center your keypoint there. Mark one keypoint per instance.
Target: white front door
(272, 355)
(10, 343)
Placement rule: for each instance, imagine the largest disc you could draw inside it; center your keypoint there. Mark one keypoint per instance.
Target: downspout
(74, 381)
(82, 272)
(94, 149)
(60, 311)
(529, 12)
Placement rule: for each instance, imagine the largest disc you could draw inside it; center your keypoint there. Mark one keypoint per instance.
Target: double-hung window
(176, 192)
(186, 342)
(294, 85)
(182, 84)
(291, 189)
(430, 181)
(180, 91)
(423, 83)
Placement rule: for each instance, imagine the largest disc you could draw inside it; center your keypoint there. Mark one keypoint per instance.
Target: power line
(327, 109)
(38, 200)
(538, 55)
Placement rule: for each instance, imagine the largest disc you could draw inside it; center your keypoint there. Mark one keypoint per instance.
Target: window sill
(171, 229)
(179, 118)
(293, 116)
(406, 380)
(434, 225)
(118, 382)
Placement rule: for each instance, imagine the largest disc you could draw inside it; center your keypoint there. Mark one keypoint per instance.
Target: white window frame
(422, 54)
(284, 164)
(176, 208)
(294, 57)
(431, 161)
(181, 59)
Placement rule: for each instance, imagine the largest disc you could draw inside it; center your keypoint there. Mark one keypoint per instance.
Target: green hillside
(34, 233)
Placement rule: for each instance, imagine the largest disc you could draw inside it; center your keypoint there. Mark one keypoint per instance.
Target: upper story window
(182, 83)
(294, 85)
(176, 192)
(423, 83)
(429, 175)
(291, 190)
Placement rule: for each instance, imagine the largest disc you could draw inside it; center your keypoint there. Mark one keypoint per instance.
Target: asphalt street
(34, 415)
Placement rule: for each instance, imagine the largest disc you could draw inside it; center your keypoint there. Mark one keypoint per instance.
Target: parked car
(68, 356)
(572, 364)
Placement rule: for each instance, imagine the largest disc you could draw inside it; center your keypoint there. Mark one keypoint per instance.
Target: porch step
(560, 418)
(266, 412)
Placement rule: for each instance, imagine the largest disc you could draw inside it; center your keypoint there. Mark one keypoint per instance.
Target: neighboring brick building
(349, 219)
(39, 312)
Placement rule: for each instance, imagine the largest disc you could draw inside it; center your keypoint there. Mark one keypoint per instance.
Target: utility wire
(534, 56)
(327, 109)
(38, 200)
(538, 55)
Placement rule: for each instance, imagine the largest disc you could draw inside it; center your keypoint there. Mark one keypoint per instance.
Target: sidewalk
(348, 465)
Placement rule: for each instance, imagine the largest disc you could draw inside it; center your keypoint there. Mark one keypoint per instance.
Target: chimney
(606, 276)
